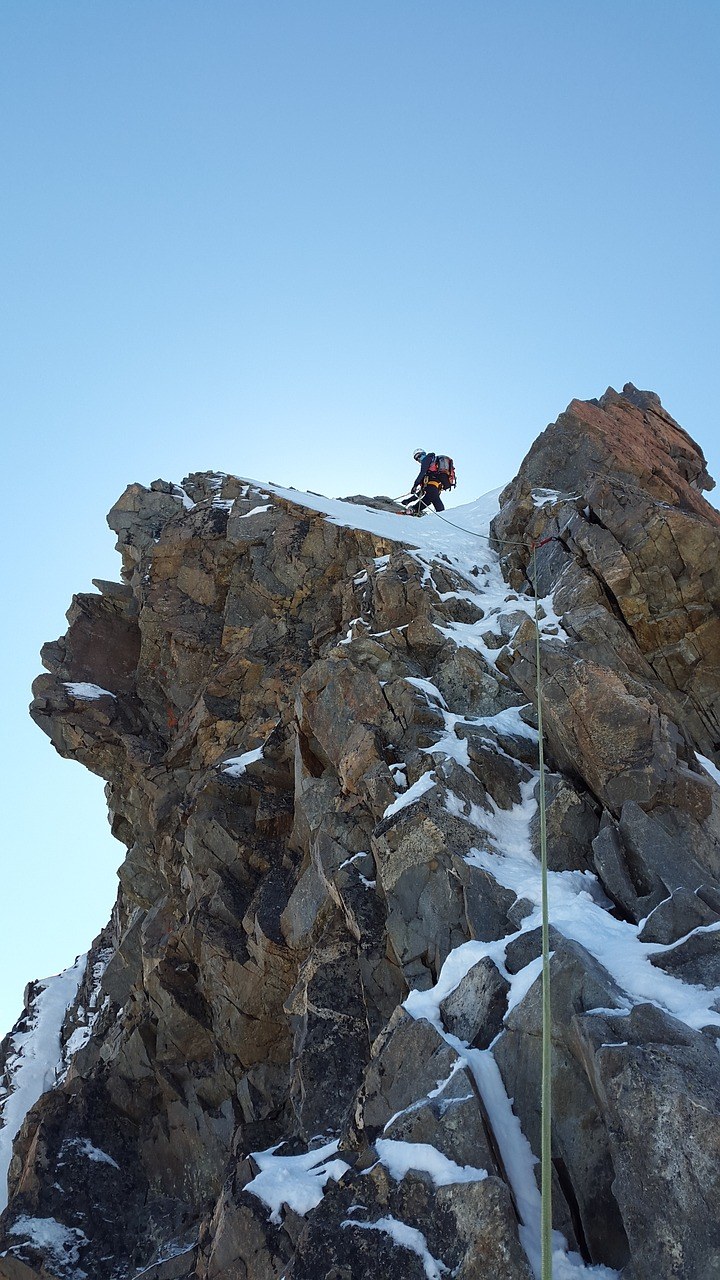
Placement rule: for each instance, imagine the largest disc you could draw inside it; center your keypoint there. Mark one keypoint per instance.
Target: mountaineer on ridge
(437, 472)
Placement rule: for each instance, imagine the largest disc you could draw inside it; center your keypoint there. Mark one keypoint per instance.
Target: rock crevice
(307, 1043)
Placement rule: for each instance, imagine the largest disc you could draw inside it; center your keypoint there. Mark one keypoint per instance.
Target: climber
(437, 472)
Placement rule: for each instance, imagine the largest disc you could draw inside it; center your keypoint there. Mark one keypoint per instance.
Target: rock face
(307, 1045)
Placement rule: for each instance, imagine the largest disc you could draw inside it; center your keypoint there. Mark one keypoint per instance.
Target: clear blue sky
(294, 239)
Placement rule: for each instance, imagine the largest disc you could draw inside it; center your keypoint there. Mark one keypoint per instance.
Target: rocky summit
(307, 1044)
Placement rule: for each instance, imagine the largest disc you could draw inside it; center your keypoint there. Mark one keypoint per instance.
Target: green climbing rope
(546, 1090)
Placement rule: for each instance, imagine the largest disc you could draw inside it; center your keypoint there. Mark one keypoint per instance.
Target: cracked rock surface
(307, 1044)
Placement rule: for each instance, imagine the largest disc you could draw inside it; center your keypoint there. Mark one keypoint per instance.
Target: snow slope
(35, 1059)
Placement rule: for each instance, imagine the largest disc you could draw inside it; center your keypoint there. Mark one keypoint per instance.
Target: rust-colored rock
(320, 751)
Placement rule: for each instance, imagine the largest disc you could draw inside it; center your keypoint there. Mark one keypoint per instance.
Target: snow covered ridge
(429, 535)
(458, 538)
(426, 533)
(34, 1058)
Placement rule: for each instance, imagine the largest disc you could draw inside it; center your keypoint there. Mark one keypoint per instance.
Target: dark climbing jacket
(437, 469)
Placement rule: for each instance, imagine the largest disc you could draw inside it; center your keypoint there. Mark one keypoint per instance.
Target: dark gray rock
(486, 1229)
(584, 1202)
(452, 1119)
(636, 898)
(417, 876)
(701, 839)
(331, 1046)
(696, 959)
(528, 947)
(572, 824)
(500, 774)
(124, 967)
(679, 914)
(409, 1059)
(658, 1084)
(655, 858)
(487, 905)
(474, 1011)
(469, 1229)
(467, 683)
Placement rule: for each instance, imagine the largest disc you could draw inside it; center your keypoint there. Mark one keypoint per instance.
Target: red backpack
(443, 470)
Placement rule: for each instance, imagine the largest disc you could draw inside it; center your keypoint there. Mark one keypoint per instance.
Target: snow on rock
(413, 793)
(400, 1157)
(34, 1058)
(708, 766)
(354, 622)
(407, 1238)
(237, 765)
(428, 688)
(295, 1181)
(86, 1016)
(84, 1147)
(450, 745)
(60, 1244)
(449, 871)
(515, 1151)
(187, 502)
(578, 910)
(541, 496)
(87, 692)
(256, 511)
(432, 539)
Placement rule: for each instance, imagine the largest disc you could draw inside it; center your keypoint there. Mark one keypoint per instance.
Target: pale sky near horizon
(295, 240)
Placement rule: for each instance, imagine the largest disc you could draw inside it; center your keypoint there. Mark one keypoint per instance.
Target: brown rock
(274, 912)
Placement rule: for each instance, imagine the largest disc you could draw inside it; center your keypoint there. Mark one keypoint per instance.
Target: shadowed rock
(312, 736)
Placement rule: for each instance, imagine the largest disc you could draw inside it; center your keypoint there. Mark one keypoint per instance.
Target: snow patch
(428, 688)
(256, 511)
(87, 1017)
(708, 766)
(541, 496)
(84, 1147)
(295, 1181)
(400, 1157)
(578, 910)
(237, 765)
(413, 793)
(60, 1244)
(87, 692)
(449, 745)
(354, 622)
(185, 499)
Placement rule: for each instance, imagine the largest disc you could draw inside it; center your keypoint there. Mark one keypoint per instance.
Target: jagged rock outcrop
(295, 1046)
